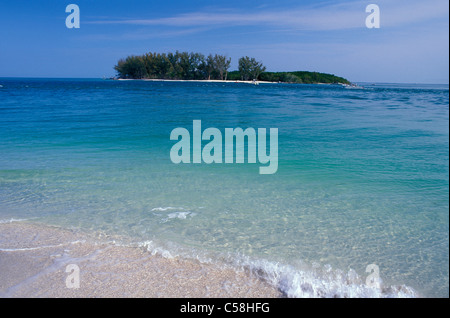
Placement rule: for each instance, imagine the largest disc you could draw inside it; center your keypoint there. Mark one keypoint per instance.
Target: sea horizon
(110, 77)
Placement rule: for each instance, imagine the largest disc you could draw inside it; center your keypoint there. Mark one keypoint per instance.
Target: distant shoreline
(215, 81)
(200, 81)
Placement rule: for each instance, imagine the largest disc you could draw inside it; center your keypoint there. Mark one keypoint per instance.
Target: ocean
(362, 178)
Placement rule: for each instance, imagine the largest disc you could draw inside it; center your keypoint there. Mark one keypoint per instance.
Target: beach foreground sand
(34, 259)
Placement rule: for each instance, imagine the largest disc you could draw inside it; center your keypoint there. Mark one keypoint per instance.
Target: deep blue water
(363, 175)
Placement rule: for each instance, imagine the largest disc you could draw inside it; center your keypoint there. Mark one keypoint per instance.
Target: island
(196, 66)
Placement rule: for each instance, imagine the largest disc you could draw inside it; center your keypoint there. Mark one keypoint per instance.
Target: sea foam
(11, 220)
(322, 282)
(293, 282)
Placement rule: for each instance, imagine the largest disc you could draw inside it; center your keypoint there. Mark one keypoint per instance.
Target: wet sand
(34, 259)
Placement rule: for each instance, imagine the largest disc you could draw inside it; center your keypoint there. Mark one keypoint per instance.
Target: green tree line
(196, 66)
(299, 77)
(178, 65)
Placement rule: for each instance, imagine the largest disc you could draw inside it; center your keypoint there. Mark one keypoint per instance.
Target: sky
(411, 45)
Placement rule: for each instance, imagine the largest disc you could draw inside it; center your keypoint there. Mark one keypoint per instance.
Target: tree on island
(131, 67)
(209, 66)
(249, 68)
(222, 64)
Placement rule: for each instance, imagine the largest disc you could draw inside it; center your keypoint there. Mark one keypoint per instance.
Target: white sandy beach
(34, 259)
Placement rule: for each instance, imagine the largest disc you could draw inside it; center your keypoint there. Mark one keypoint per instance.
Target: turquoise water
(363, 176)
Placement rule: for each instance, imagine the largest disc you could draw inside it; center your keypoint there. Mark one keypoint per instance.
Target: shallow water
(362, 176)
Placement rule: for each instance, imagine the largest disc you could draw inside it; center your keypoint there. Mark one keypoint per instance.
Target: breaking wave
(314, 282)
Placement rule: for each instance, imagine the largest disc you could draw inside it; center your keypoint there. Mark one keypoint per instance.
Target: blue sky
(411, 46)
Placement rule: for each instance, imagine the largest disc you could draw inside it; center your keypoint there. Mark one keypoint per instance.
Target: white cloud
(340, 16)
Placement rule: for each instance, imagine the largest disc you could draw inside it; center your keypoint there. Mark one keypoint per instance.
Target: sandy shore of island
(197, 81)
(232, 82)
(34, 259)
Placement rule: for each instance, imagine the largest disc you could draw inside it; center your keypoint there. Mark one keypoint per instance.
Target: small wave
(22, 249)
(163, 209)
(322, 282)
(182, 215)
(156, 250)
(314, 282)
(11, 220)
